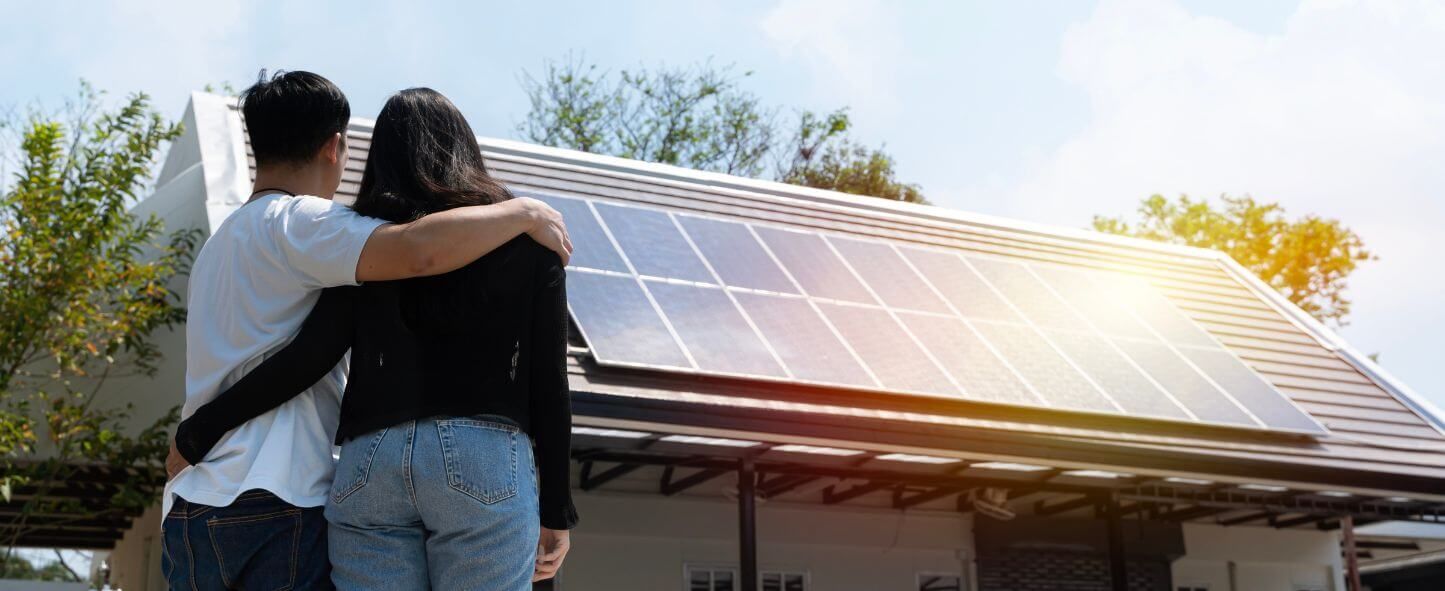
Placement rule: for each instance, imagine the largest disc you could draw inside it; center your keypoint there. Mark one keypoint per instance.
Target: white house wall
(630, 541)
(1264, 559)
(180, 205)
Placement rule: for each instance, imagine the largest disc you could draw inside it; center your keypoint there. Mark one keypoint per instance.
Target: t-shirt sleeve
(322, 240)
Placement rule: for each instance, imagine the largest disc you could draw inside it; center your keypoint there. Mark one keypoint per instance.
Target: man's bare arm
(448, 240)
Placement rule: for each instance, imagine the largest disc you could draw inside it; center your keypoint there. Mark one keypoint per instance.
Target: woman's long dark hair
(424, 158)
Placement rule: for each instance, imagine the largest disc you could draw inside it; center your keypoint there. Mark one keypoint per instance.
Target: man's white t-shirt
(252, 284)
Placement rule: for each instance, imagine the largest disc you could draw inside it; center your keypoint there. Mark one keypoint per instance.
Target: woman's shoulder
(536, 250)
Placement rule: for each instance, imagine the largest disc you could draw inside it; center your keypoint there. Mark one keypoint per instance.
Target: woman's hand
(552, 547)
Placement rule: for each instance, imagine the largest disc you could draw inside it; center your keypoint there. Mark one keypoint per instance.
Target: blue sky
(1045, 111)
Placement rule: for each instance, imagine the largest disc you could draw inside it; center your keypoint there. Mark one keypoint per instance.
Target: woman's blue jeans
(445, 503)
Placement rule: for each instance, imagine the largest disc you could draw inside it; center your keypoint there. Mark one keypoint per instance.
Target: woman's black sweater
(489, 338)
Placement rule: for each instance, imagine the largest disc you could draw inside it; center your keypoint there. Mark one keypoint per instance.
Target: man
(251, 515)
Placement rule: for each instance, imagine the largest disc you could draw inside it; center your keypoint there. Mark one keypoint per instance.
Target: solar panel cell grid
(716, 334)
(887, 350)
(732, 298)
(820, 272)
(982, 374)
(591, 247)
(958, 283)
(1045, 369)
(1126, 384)
(1092, 298)
(652, 243)
(1037, 303)
(803, 340)
(738, 259)
(1186, 384)
(1161, 315)
(1249, 389)
(888, 275)
(619, 322)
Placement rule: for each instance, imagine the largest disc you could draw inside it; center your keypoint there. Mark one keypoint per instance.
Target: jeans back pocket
(257, 551)
(355, 465)
(480, 457)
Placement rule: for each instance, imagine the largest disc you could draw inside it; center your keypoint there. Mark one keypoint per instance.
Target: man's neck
(296, 181)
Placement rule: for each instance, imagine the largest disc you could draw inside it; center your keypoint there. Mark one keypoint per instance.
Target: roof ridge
(835, 198)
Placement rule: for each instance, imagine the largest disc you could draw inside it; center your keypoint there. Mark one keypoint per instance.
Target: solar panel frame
(881, 305)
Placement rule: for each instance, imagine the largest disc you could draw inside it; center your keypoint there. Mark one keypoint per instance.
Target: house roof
(1382, 438)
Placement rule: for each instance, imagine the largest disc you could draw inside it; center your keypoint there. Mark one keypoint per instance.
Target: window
(784, 581)
(711, 578)
(939, 582)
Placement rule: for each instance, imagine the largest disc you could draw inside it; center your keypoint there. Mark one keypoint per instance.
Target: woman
(453, 378)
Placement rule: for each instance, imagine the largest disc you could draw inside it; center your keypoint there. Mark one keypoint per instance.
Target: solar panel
(1049, 372)
(803, 340)
(899, 363)
(963, 288)
(619, 322)
(715, 332)
(1248, 388)
(738, 259)
(982, 373)
(1187, 385)
(1028, 294)
(889, 275)
(591, 247)
(689, 293)
(653, 245)
(1094, 302)
(817, 270)
(1112, 371)
(1161, 315)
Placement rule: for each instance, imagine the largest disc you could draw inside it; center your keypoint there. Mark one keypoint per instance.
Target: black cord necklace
(271, 190)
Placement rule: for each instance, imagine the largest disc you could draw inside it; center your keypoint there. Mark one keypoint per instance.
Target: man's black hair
(290, 115)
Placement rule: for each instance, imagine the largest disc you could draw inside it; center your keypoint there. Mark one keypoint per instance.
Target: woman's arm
(551, 408)
(318, 347)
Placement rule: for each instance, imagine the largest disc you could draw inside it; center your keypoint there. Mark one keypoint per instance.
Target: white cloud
(1342, 114)
(852, 47)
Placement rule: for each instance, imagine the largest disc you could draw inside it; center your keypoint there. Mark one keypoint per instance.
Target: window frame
(807, 576)
(711, 568)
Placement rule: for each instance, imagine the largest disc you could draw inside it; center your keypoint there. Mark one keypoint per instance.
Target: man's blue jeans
(442, 503)
(256, 542)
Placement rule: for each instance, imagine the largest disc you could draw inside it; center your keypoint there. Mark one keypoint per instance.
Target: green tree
(84, 284)
(1308, 259)
(701, 117)
(18, 568)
